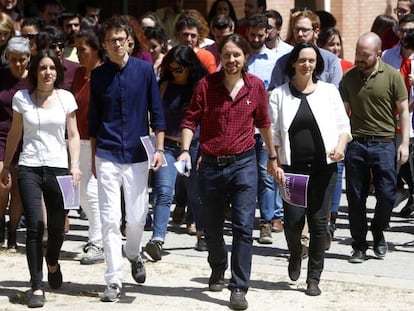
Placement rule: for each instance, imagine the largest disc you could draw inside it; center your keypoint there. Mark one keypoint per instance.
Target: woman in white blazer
(310, 130)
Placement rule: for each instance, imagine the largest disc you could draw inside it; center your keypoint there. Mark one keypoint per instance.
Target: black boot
(2, 230)
(11, 238)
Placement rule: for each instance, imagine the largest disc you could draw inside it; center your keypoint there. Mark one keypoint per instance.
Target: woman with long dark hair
(181, 72)
(41, 115)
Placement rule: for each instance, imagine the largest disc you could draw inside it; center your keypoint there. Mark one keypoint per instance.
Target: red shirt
(81, 91)
(227, 126)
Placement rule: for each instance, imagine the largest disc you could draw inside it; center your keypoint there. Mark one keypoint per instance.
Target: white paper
(183, 167)
(70, 194)
(149, 144)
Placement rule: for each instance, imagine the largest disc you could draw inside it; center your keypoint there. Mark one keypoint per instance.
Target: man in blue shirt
(124, 102)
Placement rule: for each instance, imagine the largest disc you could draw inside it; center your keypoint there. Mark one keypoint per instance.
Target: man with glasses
(51, 37)
(401, 58)
(390, 37)
(304, 26)
(124, 101)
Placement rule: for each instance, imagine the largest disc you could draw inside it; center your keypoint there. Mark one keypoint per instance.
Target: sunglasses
(177, 69)
(55, 45)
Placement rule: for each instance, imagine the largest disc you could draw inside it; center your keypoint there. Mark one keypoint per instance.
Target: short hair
(299, 14)
(262, 3)
(157, 33)
(186, 22)
(41, 4)
(294, 55)
(115, 22)
(239, 41)
(83, 5)
(33, 21)
(48, 36)
(18, 45)
(222, 22)
(34, 68)
(202, 26)
(276, 16)
(258, 20)
(327, 20)
(67, 15)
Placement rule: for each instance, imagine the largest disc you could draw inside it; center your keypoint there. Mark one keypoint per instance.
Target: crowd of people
(233, 112)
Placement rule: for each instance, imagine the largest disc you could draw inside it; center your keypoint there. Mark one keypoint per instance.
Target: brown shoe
(277, 225)
(191, 229)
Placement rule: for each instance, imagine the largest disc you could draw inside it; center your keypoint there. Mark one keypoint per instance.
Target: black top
(306, 144)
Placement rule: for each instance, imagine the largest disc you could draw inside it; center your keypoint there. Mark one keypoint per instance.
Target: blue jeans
(164, 183)
(33, 181)
(360, 160)
(268, 195)
(336, 197)
(236, 182)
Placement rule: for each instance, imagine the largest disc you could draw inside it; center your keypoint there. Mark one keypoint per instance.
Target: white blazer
(327, 107)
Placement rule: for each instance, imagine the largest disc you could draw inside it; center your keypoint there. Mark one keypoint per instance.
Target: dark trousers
(320, 189)
(33, 181)
(236, 182)
(361, 159)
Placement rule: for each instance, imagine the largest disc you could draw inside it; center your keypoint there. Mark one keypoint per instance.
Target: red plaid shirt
(227, 126)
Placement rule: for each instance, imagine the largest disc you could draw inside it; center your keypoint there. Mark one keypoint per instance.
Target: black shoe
(55, 279)
(380, 245)
(154, 249)
(201, 244)
(11, 239)
(238, 300)
(313, 289)
(294, 267)
(138, 270)
(407, 211)
(216, 282)
(357, 256)
(36, 301)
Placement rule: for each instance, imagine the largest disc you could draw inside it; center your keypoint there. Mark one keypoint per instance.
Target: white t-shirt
(44, 129)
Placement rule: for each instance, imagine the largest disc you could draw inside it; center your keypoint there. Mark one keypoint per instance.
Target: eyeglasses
(177, 69)
(305, 31)
(120, 40)
(29, 36)
(55, 45)
(400, 11)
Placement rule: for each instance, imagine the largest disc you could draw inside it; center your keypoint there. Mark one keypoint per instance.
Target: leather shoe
(216, 282)
(238, 300)
(313, 289)
(380, 245)
(357, 256)
(36, 301)
(294, 267)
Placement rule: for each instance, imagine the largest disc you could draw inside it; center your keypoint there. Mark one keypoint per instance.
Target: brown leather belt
(373, 139)
(226, 160)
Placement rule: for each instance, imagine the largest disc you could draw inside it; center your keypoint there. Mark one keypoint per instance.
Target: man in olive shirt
(373, 93)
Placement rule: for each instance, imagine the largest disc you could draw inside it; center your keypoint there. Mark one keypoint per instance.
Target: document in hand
(149, 145)
(70, 194)
(295, 189)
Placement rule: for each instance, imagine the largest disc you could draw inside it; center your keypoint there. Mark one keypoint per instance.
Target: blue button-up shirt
(124, 102)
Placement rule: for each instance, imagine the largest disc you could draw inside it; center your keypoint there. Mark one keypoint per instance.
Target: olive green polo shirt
(373, 101)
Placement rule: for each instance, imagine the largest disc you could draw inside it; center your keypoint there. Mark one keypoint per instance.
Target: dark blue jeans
(236, 182)
(33, 181)
(320, 188)
(361, 159)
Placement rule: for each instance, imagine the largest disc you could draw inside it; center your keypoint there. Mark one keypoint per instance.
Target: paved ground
(179, 280)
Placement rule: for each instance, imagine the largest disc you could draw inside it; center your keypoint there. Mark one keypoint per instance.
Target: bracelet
(272, 158)
(184, 150)
(160, 150)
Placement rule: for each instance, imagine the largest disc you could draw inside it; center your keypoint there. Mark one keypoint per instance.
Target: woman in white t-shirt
(42, 114)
